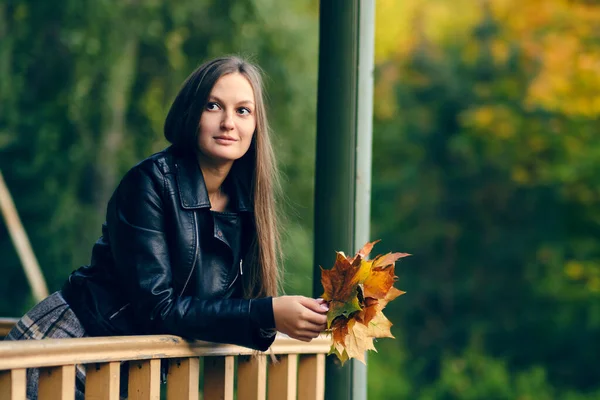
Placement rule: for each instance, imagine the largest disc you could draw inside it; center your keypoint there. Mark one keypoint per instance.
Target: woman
(190, 243)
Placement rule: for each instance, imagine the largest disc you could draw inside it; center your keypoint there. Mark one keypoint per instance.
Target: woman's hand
(300, 317)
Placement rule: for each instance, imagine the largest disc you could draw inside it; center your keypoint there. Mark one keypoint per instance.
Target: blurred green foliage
(484, 169)
(85, 88)
(485, 164)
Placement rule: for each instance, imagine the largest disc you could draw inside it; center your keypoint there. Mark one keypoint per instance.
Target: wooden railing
(226, 371)
(6, 325)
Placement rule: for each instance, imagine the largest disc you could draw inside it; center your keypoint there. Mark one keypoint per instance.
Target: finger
(307, 336)
(314, 305)
(303, 338)
(312, 328)
(313, 334)
(314, 318)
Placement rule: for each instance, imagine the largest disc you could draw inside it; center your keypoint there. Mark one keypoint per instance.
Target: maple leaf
(391, 295)
(357, 291)
(379, 282)
(364, 251)
(369, 311)
(342, 356)
(358, 341)
(340, 286)
(337, 281)
(379, 326)
(340, 330)
(381, 278)
(339, 308)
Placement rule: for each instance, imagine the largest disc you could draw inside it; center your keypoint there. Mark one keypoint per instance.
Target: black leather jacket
(152, 271)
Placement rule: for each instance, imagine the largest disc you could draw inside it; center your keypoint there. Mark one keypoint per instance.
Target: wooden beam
(6, 324)
(144, 380)
(283, 378)
(21, 242)
(13, 384)
(218, 378)
(311, 377)
(183, 380)
(102, 381)
(252, 378)
(57, 383)
(87, 350)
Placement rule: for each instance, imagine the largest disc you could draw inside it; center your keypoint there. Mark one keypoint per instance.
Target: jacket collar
(192, 189)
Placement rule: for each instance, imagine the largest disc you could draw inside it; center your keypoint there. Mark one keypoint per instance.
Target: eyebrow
(218, 100)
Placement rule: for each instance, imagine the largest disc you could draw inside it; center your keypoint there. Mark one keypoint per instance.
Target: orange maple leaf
(340, 286)
(357, 291)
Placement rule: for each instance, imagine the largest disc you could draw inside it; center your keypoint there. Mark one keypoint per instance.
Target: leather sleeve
(136, 229)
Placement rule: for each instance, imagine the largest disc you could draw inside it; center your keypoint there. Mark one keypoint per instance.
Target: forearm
(243, 322)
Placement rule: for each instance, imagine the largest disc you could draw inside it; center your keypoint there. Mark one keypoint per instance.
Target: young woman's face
(228, 121)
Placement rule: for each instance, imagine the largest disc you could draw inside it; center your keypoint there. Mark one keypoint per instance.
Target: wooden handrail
(299, 375)
(55, 352)
(6, 324)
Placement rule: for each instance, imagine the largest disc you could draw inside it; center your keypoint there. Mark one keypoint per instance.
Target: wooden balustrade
(196, 370)
(6, 324)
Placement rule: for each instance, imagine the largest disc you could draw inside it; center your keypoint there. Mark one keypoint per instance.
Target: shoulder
(162, 163)
(150, 173)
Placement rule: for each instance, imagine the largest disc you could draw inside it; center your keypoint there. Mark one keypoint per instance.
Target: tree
(483, 171)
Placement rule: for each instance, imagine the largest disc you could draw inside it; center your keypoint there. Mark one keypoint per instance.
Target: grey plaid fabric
(52, 318)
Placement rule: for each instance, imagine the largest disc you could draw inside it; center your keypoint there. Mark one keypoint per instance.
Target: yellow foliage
(593, 285)
(384, 92)
(500, 51)
(520, 175)
(574, 270)
(392, 30)
(586, 271)
(495, 120)
(560, 36)
(400, 24)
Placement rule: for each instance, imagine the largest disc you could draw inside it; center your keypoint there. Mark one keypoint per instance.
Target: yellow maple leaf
(379, 326)
(358, 340)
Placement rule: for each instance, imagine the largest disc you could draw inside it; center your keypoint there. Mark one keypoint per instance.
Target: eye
(244, 111)
(212, 106)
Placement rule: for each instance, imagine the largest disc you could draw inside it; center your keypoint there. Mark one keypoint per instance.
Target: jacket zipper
(236, 277)
(118, 311)
(195, 256)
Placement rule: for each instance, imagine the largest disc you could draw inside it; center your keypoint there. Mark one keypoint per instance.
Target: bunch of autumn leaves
(357, 291)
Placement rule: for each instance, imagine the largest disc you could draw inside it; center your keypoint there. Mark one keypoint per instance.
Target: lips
(225, 138)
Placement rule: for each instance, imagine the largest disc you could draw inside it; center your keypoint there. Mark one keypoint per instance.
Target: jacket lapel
(190, 182)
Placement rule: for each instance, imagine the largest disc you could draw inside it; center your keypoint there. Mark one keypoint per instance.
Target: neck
(214, 174)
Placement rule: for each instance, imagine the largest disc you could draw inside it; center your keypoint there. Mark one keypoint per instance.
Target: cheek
(208, 123)
(249, 128)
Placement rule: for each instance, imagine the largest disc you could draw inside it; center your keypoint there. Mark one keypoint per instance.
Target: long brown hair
(257, 166)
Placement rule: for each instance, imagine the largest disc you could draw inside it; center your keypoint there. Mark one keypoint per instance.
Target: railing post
(102, 381)
(183, 380)
(57, 383)
(282, 378)
(252, 378)
(13, 384)
(343, 160)
(311, 377)
(218, 377)
(144, 380)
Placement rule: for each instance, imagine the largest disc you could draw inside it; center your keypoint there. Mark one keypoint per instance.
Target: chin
(223, 156)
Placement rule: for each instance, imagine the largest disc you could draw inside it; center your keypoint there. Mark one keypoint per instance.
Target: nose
(227, 122)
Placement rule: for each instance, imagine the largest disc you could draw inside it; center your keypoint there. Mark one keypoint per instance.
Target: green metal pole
(343, 161)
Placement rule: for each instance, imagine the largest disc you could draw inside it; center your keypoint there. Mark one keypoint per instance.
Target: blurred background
(486, 165)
